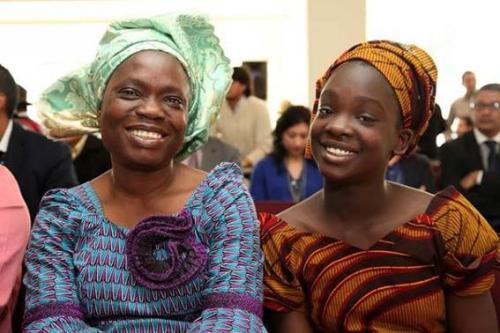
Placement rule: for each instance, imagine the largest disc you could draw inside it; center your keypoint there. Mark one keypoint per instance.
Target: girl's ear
(404, 141)
(3, 101)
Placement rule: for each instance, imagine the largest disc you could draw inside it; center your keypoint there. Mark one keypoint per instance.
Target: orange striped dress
(397, 285)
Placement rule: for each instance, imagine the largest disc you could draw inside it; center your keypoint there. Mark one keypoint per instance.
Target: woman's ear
(404, 140)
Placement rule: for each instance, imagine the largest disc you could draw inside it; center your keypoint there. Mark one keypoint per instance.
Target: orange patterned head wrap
(411, 73)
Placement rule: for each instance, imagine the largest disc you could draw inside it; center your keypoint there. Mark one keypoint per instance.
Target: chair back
(271, 206)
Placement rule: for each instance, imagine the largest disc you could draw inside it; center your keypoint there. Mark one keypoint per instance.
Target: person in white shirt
(244, 121)
(461, 106)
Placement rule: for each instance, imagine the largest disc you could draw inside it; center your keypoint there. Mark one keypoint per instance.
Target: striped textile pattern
(396, 285)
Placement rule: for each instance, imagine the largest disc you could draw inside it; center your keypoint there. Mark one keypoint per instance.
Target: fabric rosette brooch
(162, 251)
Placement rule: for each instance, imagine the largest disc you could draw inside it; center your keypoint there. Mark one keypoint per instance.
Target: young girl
(365, 254)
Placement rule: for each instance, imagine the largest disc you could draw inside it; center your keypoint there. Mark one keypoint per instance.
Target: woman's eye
(174, 101)
(128, 93)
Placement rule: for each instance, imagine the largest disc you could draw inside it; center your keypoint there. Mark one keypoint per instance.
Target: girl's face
(358, 125)
(143, 112)
(294, 139)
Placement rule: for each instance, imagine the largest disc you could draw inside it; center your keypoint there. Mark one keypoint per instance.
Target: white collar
(4, 142)
(481, 138)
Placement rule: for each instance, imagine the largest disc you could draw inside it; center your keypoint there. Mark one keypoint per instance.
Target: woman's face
(143, 112)
(357, 128)
(294, 139)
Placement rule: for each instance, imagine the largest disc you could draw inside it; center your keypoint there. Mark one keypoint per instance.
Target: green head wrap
(69, 107)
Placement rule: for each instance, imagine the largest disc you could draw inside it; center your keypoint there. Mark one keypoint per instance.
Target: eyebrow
(333, 94)
(142, 84)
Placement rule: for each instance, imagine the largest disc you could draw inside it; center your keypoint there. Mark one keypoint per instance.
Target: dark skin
(143, 121)
(355, 135)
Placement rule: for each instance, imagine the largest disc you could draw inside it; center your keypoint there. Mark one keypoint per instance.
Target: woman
(152, 245)
(365, 254)
(14, 234)
(285, 174)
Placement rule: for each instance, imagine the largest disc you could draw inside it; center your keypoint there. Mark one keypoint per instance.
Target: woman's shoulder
(221, 186)
(266, 163)
(69, 200)
(224, 174)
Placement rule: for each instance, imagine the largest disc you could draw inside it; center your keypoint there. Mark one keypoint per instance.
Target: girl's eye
(325, 110)
(367, 119)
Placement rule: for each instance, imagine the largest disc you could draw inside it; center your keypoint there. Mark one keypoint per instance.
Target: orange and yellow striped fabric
(397, 285)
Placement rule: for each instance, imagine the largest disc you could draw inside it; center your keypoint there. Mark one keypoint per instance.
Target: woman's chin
(146, 164)
(295, 154)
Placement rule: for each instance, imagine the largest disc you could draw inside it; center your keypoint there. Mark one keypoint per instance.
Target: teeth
(339, 152)
(146, 134)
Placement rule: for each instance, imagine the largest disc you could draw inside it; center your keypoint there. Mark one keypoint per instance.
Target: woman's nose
(151, 108)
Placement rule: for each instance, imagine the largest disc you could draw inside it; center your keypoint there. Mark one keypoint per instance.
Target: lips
(339, 152)
(146, 135)
(336, 152)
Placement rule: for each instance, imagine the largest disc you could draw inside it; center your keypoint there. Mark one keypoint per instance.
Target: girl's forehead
(357, 78)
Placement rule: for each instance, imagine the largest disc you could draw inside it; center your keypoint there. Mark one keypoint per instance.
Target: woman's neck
(131, 183)
(294, 165)
(294, 159)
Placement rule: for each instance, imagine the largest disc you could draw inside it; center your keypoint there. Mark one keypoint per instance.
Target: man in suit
(472, 163)
(89, 155)
(37, 163)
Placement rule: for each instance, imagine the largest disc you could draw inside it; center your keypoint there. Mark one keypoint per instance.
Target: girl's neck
(355, 202)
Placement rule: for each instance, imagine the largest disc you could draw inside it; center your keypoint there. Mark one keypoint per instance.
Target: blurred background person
(415, 171)
(89, 156)
(244, 121)
(213, 152)
(14, 234)
(465, 125)
(285, 174)
(427, 144)
(461, 106)
(37, 163)
(21, 114)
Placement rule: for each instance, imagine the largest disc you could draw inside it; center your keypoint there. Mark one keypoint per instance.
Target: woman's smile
(146, 136)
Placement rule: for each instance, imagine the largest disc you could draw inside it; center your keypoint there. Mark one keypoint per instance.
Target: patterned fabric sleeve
(282, 289)
(470, 243)
(52, 301)
(233, 296)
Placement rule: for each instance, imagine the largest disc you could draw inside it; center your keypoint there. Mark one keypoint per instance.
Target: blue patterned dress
(197, 271)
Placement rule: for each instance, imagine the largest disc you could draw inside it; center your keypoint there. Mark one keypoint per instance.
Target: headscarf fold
(411, 73)
(70, 106)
